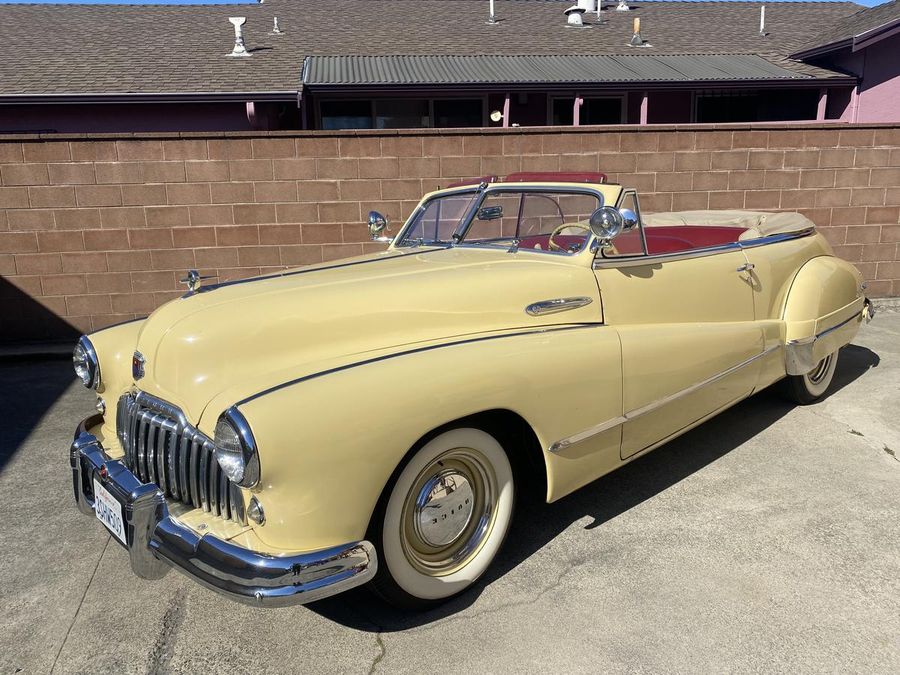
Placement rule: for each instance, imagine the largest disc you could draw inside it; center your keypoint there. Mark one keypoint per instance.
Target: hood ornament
(193, 280)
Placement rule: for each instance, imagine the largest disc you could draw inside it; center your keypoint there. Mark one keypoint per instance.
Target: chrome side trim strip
(637, 261)
(409, 352)
(654, 405)
(798, 354)
(556, 305)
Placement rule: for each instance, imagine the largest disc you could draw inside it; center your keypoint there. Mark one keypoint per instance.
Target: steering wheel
(556, 247)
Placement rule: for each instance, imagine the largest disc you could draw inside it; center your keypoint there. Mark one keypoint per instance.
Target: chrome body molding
(798, 354)
(638, 260)
(157, 542)
(556, 305)
(560, 445)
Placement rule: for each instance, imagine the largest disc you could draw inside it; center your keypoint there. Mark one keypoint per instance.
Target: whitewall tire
(811, 386)
(443, 519)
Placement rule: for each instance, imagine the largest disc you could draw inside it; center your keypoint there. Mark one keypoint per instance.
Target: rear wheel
(810, 387)
(443, 519)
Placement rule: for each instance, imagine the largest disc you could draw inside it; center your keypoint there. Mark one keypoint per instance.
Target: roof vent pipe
(762, 21)
(588, 5)
(276, 29)
(636, 39)
(573, 17)
(622, 6)
(492, 18)
(239, 48)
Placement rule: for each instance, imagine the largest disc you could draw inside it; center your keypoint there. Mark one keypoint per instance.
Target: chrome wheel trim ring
(463, 481)
(817, 374)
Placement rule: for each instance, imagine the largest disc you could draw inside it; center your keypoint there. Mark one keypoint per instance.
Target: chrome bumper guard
(158, 542)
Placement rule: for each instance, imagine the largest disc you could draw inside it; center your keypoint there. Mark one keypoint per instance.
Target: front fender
(329, 444)
(115, 348)
(822, 312)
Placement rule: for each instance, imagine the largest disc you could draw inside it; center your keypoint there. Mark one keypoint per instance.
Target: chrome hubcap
(449, 512)
(817, 374)
(444, 508)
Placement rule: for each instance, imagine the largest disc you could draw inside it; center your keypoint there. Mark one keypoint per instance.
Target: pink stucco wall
(878, 99)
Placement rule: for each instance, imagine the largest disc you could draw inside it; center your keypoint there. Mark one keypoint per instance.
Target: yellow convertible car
(287, 437)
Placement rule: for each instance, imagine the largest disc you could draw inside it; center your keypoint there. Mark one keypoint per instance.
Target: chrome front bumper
(158, 542)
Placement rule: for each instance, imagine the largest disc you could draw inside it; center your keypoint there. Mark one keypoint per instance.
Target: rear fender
(822, 311)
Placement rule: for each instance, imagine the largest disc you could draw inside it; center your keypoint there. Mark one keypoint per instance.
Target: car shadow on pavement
(538, 523)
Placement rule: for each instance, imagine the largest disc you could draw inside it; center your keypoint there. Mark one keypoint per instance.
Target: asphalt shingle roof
(130, 49)
(855, 25)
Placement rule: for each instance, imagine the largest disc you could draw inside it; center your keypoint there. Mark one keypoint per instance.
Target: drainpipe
(644, 106)
(854, 104)
(823, 104)
(251, 115)
(576, 111)
(506, 110)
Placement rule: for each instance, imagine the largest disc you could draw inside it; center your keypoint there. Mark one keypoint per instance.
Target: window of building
(594, 110)
(346, 114)
(458, 113)
(756, 106)
(401, 113)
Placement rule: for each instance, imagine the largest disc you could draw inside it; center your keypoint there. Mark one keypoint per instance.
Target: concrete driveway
(766, 540)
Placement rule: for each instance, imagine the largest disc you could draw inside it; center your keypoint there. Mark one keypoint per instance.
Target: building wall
(878, 99)
(95, 230)
(131, 117)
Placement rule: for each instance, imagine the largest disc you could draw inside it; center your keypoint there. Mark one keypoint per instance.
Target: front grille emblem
(137, 365)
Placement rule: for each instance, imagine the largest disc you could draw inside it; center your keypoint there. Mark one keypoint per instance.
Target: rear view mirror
(377, 225)
(606, 223)
(630, 218)
(490, 212)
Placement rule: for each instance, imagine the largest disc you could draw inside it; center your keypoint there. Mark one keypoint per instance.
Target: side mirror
(377, 225)
(630, 218)
(606, 223)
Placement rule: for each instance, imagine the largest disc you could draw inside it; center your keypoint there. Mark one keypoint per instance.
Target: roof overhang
(854, 43)
(161, 97)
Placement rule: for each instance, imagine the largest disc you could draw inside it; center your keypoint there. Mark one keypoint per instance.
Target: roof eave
(856, 42)
(154, 97)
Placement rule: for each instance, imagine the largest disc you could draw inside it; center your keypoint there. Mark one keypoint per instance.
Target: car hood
(241, 337)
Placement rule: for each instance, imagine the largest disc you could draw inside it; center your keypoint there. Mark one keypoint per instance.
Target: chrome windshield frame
(481, 193)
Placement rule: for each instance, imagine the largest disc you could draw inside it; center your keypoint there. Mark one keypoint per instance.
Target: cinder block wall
(95, 230)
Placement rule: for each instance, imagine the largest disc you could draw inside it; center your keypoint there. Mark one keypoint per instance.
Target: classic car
(372, 420)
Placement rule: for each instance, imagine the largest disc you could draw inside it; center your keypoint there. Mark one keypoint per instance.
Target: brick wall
(96, 230)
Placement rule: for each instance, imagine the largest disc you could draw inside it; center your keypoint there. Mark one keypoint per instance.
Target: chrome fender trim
(556, 305)
(798, 354)
(560, 445)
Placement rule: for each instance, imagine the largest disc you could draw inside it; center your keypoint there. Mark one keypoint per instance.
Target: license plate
(109, 511)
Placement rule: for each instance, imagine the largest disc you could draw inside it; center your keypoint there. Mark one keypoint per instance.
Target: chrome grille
(162, 447)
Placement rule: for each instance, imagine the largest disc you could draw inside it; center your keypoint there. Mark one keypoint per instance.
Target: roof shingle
(54, 50)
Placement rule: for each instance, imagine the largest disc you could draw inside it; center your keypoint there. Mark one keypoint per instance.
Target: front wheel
(443, 519)
(810, 387)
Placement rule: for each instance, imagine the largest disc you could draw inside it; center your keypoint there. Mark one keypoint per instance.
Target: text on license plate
(109, 511)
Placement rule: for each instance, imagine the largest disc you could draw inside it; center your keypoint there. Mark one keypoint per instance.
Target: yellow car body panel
(340, 369)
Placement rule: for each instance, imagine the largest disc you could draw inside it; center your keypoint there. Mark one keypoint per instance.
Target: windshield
(527, 219)
(438, 219)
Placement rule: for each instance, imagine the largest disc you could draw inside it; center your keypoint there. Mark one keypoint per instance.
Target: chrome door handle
(746, 267)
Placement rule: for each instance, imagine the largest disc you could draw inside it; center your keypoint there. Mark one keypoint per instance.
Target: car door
(689, 340)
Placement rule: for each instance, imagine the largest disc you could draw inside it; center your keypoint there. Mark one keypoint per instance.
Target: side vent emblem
(137, 365)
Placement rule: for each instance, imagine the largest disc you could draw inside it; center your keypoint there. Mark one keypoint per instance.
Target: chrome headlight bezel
(236, 450)
(86, 363)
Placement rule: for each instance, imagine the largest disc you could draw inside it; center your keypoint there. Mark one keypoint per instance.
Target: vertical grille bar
(196, 449)
(161, 447)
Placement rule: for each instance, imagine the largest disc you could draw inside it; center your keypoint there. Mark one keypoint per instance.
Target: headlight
(236, 449)
(87, 367)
